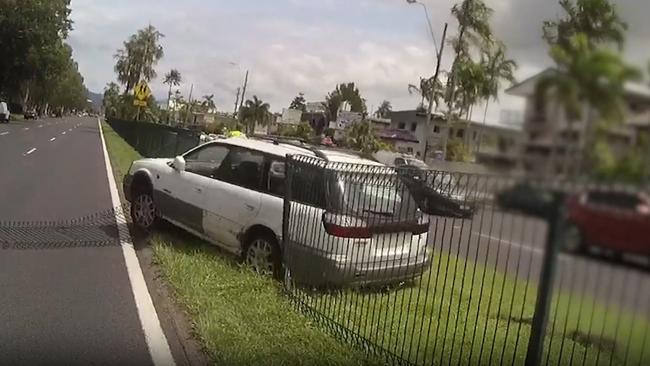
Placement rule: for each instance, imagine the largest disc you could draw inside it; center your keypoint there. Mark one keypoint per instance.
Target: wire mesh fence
(424, 267)
(153, 140)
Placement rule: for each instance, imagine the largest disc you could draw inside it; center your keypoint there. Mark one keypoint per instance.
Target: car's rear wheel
(262, 255)
(143, 211)
(573, 241)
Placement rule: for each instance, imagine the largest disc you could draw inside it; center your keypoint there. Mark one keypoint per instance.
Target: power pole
(243, 94)
(189, 105)
(433, 95)
(236, 102)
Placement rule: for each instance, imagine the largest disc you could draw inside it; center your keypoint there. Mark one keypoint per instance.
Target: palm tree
(424, 89)
(253, 112)
(208, 103)
(497, 68)
(172, 78)
(597, 19)
(589, 76)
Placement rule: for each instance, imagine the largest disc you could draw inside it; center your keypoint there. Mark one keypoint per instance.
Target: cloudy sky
(293, 46)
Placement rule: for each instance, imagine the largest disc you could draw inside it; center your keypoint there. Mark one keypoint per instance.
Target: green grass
(17, 117)
(458, 311)
(240, 318)
(441, 317)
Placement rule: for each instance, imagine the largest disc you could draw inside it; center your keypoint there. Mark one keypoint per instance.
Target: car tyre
(143, 212)
(573, 240)
(262, 255)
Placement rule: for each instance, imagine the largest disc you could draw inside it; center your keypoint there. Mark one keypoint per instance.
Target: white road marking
(63, 133)
(53, 138)
(39, 126)
(153, 334)
(4, 133)
(30, 151)
(26, 128)
(70, 129)
(511, 243)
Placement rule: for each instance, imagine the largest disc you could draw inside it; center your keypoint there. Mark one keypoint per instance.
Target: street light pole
(439, 51)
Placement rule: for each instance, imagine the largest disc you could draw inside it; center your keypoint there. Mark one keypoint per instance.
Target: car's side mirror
(179, 163)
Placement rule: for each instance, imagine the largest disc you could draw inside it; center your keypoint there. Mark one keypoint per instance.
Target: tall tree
(255, 111)
(384, 109)
(299, 103)
(172, 78)
(598, 20)
(473, 18)
(589, 76)
(111, 99)
(136, 61)
(425, 91)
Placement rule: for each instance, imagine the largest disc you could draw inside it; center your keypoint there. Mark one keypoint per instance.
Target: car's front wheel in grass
(262, 255)
(143, 211)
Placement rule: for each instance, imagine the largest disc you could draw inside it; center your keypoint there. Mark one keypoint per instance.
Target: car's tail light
(350, 227)
(346, 227)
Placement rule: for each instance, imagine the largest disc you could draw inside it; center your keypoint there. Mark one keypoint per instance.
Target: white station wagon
(230, 193)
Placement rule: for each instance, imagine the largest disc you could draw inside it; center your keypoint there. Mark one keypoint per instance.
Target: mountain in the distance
(97, 99)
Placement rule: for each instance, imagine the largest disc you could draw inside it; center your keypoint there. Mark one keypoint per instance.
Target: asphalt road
(69, 304)
(515, 244)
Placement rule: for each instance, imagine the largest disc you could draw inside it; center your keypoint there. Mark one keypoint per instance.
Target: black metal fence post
(555, 219)
(286, 214)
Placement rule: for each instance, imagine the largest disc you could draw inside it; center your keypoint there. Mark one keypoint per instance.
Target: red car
(616, 221)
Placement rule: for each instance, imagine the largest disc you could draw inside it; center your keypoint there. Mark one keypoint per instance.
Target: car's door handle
(198, 189)
(167, 191)
(250, 207)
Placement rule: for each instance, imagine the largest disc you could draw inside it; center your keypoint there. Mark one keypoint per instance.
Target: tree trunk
(169, 98)
(26, 99)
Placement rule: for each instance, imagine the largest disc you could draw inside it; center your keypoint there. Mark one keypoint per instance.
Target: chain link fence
(153, 140)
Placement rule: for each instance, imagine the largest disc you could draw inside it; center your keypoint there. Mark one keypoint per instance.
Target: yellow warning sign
(142, 92)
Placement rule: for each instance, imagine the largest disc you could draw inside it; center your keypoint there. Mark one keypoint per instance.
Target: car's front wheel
(262, 255)
(143, 211)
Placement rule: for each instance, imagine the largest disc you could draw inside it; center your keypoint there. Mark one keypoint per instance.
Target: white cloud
(295, 46)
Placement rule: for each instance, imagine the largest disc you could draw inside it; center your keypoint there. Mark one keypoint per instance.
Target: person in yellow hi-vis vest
(236, 134)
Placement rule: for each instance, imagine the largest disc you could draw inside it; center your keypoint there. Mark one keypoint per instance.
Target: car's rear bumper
(315, 268)
(126, 186)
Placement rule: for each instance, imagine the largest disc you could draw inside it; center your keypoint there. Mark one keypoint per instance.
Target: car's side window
(242, 167)
(309, 186)
(275, 177)
(207, 160)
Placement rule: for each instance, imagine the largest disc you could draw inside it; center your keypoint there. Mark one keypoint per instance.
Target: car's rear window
(383, 196)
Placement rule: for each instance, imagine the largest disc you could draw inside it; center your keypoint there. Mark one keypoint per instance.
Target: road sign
(139, 103)
(142, 91)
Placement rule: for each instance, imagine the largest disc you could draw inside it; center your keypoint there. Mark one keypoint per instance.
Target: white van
(4, 113)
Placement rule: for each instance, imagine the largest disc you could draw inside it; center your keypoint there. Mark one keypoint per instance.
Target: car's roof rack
(293, 141)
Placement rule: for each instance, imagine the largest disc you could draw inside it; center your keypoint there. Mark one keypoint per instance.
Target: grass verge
(240, 318)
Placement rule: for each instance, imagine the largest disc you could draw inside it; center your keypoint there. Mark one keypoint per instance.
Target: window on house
(475, 136)
(436, 129)
(414, 126)
(401, 125)
(460, 133)
(410, 150)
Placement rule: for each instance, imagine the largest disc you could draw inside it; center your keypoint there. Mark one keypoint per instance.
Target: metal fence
(427, 268)
(153, 140)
